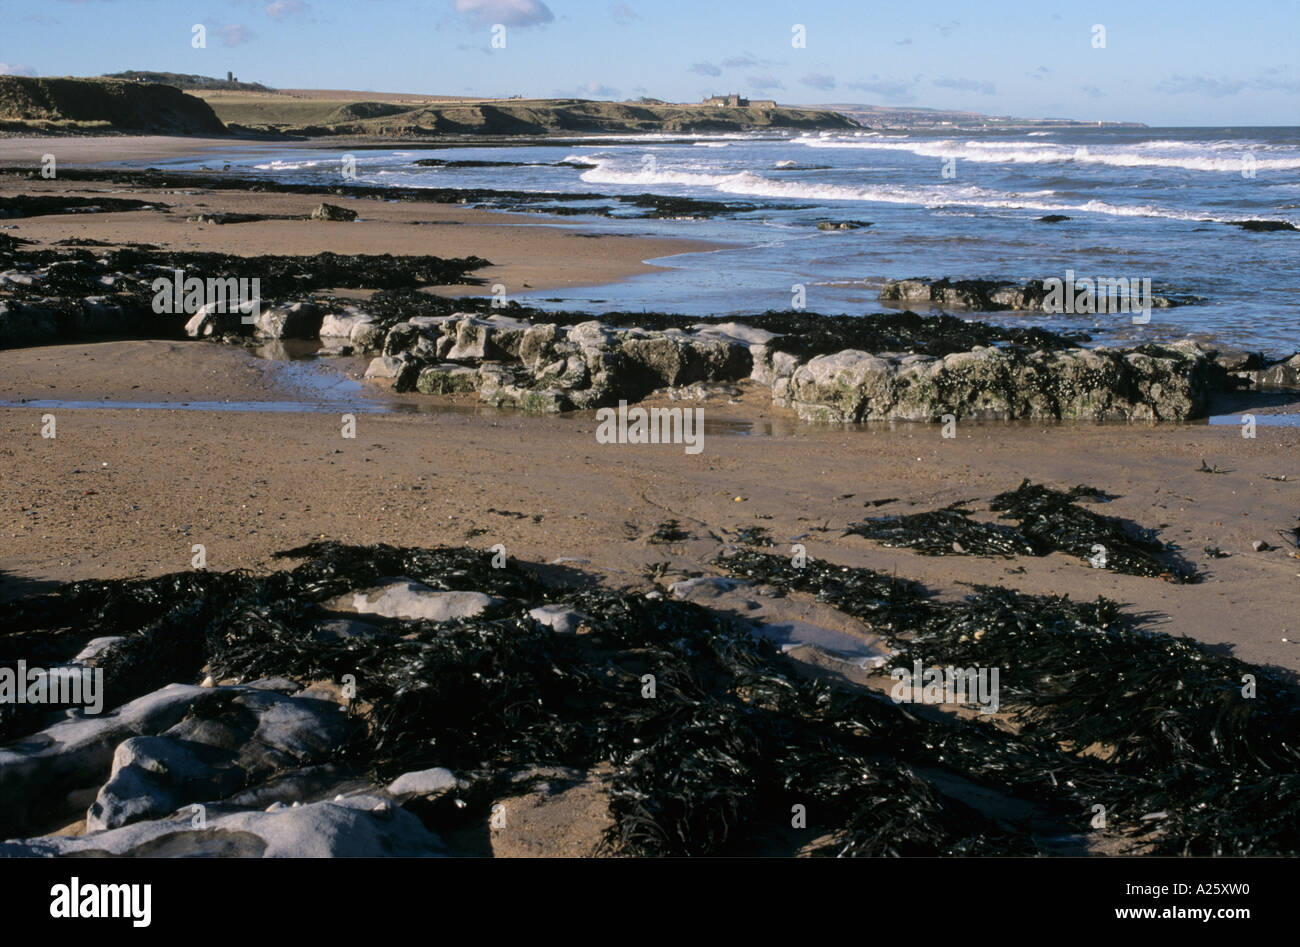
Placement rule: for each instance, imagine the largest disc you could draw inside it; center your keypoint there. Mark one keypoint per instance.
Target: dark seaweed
(1167, 724)
(37, 205)
(754, 536)
(712, 763)
(669, 531)
(1049, 521)
(649, 205)
(732, 739)
(944, 532)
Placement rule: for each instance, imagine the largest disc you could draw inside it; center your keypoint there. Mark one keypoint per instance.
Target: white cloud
(508, 12)
(235, 34)
(588, 90)
(12, 69)
(283, 9)
(888, 88)
(705, 69)
(1218, 88)
(750, 60)
(816, 80)
(983, 87)
(600, 90)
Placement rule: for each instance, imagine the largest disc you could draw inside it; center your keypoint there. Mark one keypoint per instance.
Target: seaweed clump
(711, 761)
(944, 532)
(669, 531)
(1052, 520)
(1048, 521)
(706, 736)
(1192, 752)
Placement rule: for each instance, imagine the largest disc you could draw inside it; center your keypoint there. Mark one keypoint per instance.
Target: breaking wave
(1188, 156)
(749, 184)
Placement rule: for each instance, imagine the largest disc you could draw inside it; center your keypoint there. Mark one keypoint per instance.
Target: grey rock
(446, 377)
(352, 328)
(404, 598)
(333, 212)
(385, 366)
(153, 776)
(360, 826)
(704, 588)
(1283, 374)
(299, 321)
(235, 738)
(211, 320)
(77, 752)
(561, 619)
(426, 782)
(96, 649)
(1169, 383)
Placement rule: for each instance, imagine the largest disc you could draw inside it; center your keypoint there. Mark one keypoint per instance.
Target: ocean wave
(750, 184)
(291, 165)
(1040, 152)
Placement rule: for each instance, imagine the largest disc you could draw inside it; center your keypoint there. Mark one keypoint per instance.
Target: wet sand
(528, 251)
(127, 492)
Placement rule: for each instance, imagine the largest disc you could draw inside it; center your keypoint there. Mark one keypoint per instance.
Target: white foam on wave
(288, 165)
(750, 184)
(1213, 156)
(606, 174)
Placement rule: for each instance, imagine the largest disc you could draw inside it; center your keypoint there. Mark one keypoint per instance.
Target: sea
(1142, 203)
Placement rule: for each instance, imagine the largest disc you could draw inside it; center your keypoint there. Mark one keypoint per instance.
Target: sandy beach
(251, 483)
(126, 492)
(163, 445)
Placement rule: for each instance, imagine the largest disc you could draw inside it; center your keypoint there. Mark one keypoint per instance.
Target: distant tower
(230, 77)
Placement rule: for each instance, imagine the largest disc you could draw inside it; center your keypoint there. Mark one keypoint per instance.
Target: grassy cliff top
(112, 105)
(393, 116)
(102, 105)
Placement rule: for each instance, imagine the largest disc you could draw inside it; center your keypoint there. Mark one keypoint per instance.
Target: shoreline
(120, 492)
(528, 251)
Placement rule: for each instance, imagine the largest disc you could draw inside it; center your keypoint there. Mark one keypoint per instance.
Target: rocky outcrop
(296, 321)
(1283, 374)
(358, 826)
(1156, 383)
(549, 368)
(176, 746)
(833, 368)
(333, 212)
(995, 295)
(352, 328)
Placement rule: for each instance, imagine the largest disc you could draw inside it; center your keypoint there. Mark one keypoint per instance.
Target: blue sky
(1165, 62)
